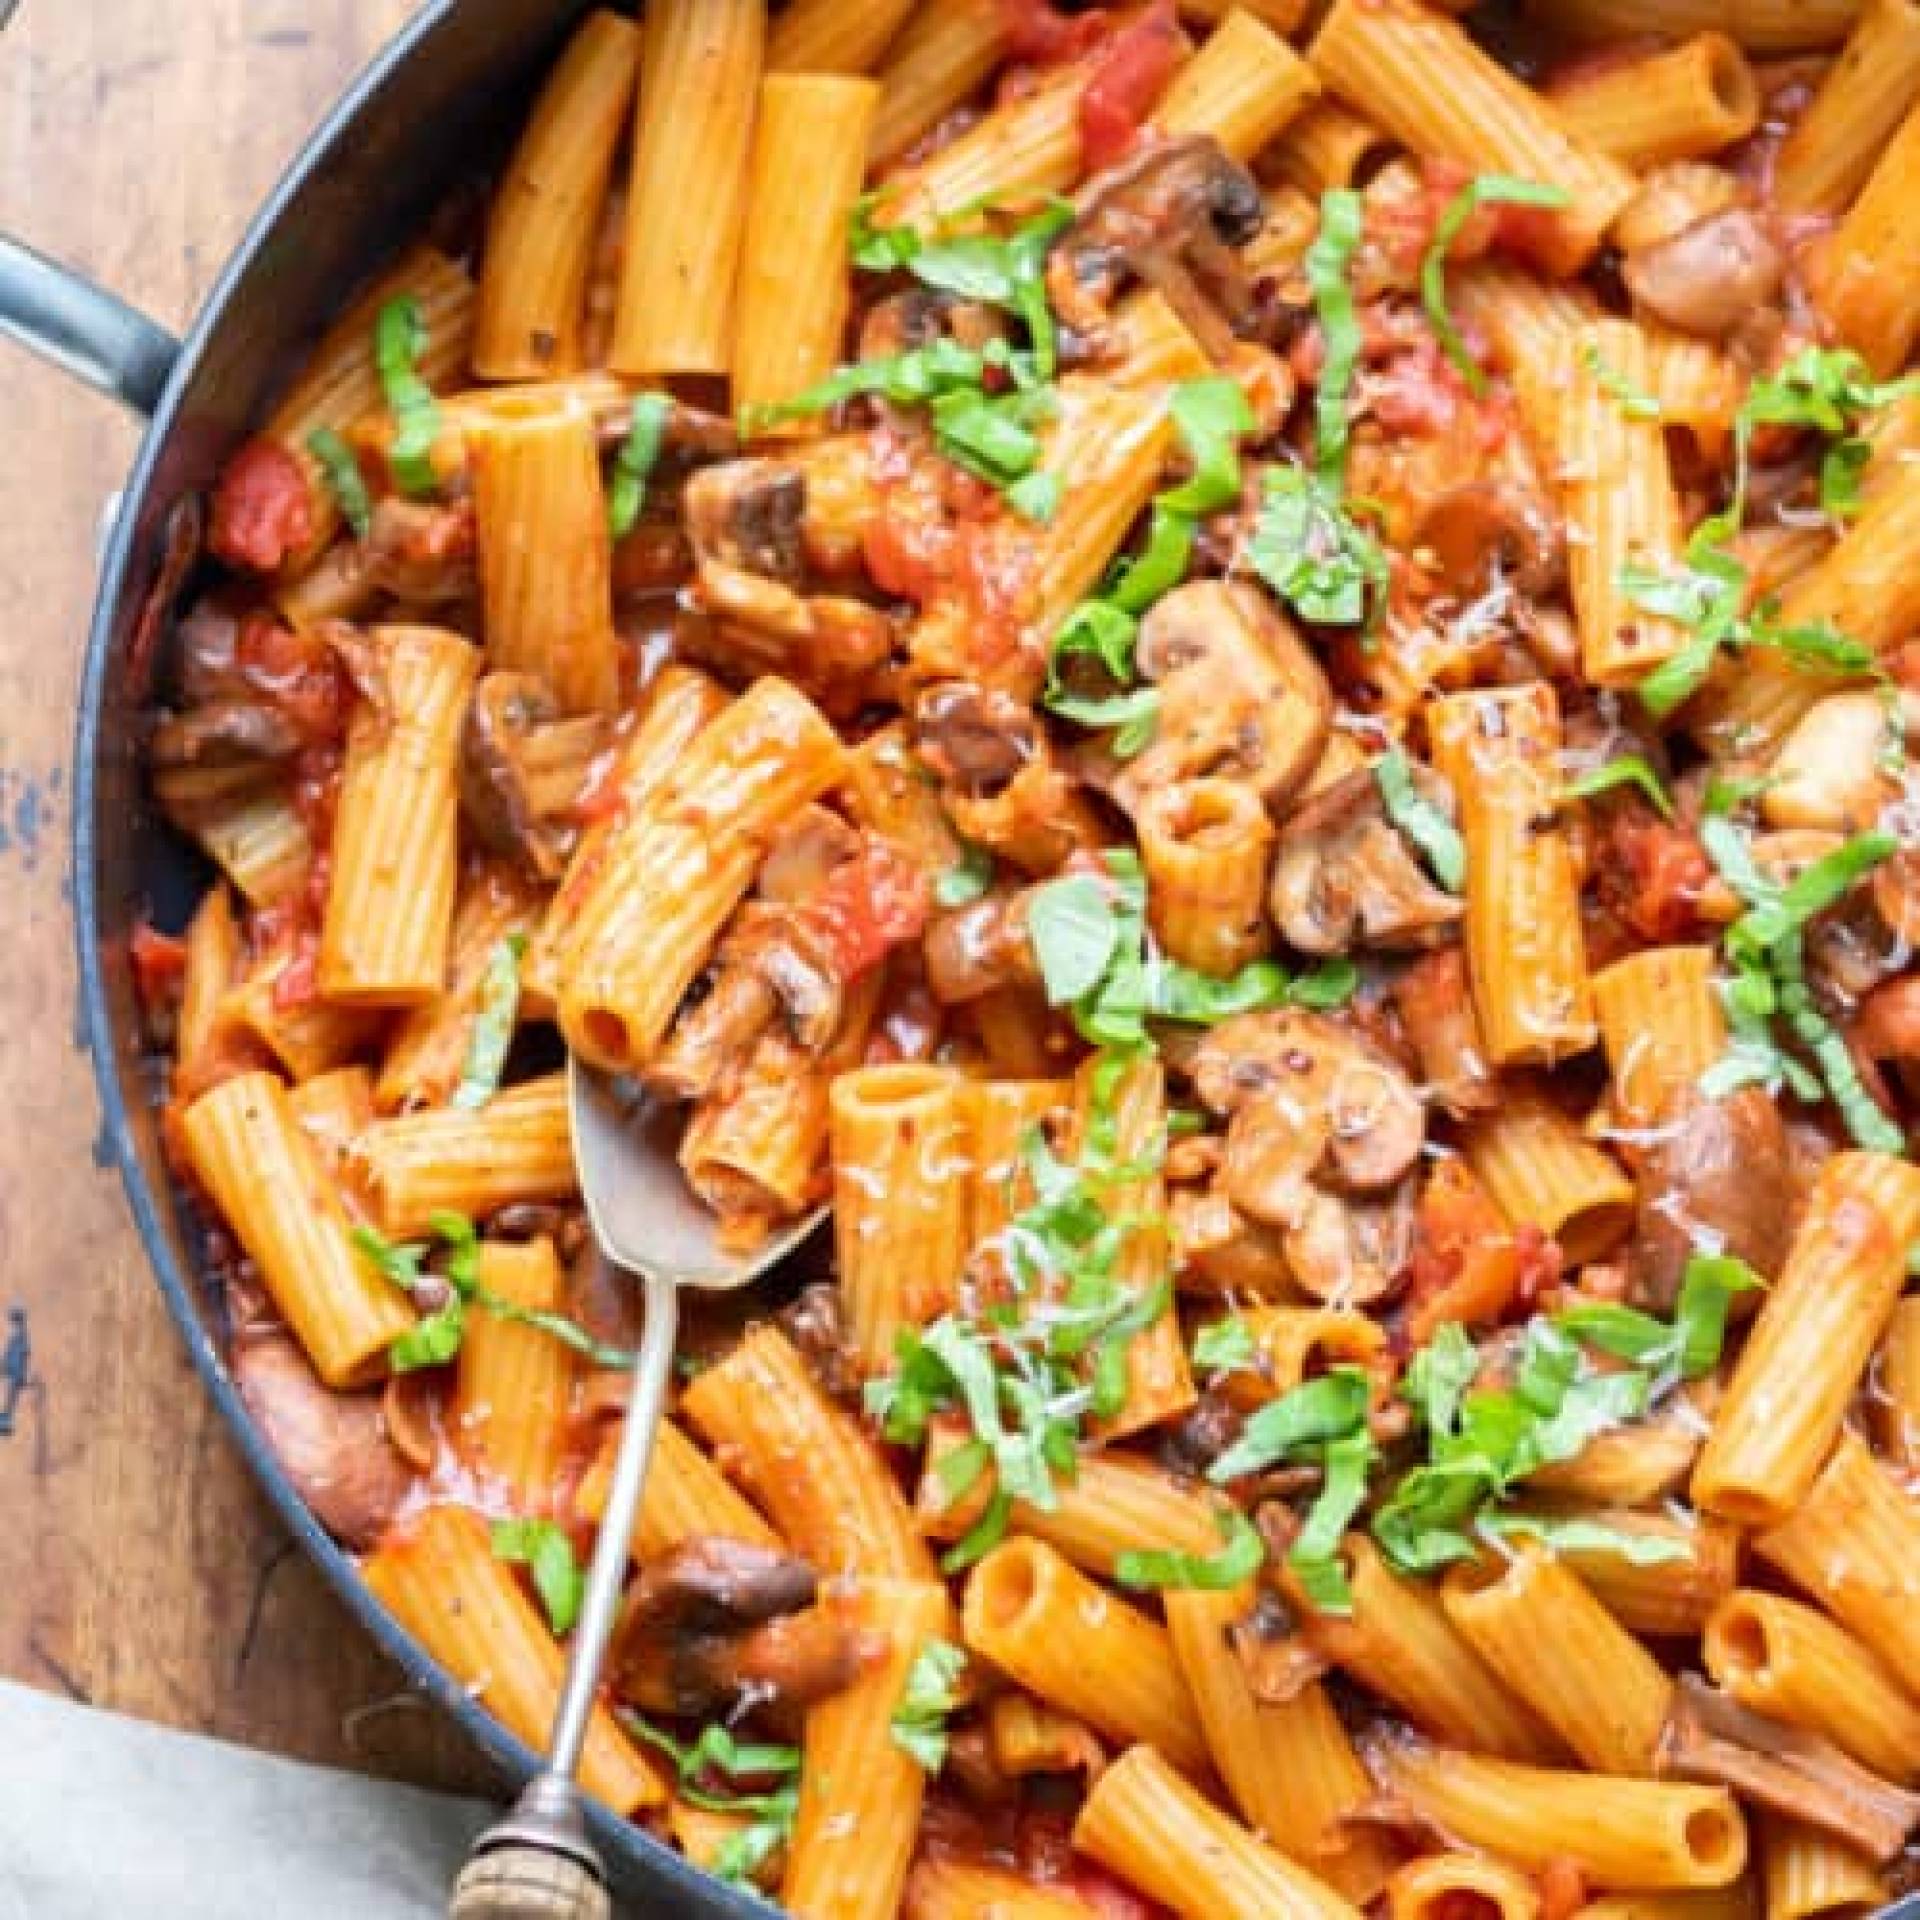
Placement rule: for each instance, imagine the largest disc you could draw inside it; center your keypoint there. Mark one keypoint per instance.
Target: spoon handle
(504, 1879)
(612, 1547)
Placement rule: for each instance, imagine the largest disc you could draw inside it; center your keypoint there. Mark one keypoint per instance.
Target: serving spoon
(538, 1863)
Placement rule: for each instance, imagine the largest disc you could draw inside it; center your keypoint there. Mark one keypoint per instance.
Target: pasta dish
(1239, 678)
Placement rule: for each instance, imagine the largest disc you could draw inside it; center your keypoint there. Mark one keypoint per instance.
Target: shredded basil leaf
(966, 881)
(1309, 1415)
(546, 1552)
(1487, 190)
(1227, 1346)
(1635, 402)
(1306, 546)
(1421, 821)
(1328, 261)
(919, 1723)
(345, 481)
(1625, 770)
(1241, 1556)
(493, 1025)
(633, 465)
(399, 340)
(1571, 1534)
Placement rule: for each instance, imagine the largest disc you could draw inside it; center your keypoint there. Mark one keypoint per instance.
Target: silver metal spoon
(538, 1863)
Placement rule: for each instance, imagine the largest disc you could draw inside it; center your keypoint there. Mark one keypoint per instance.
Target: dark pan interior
(434, 110)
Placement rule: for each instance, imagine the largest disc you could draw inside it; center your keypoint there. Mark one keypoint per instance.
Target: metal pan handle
(88, 331)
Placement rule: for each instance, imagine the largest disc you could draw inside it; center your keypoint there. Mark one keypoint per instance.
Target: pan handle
(68, 320)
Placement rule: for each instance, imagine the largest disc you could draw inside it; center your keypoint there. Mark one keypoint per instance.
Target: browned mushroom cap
(1240, 695)
(746, 514)
(1710, 1737)
(1713, 1178)
(422, 552)
(978, 948)
(224, 732)
(1709, 277)
(1171, 215)
(1437, 1016)
(1486, 531)
(1316, 1114)
(496, 783)
(334, 1446)
(918, 316)
(1218, 1249)
(1345, 876)
(975, 737)
(716, 1621)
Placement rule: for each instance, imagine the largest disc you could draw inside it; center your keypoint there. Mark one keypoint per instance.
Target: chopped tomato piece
(1039, 32)
(870, 904)
(299, 673)
(1651, 873)
(1563, 1889)
(1129, 76)
(159, 966)
(262, 509)
(1469, 1263)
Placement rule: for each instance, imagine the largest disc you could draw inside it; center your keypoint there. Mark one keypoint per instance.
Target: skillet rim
(640, 1864)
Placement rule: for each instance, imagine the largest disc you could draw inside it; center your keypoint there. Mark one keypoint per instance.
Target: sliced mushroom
(979, 947)
(333, 1446)
(1486, 531)
(1710, 1737)
(1713, 1179)
(1275, 1660)
(422, 552)
(1710, 277)
(1218, 1249)
(1317, 1122)
(1241, 697)
(1437, 1015)
(1345, 875)
(975, 738)
(1172, 216)
(1829, 771)
(745, 519)
(918, 316)
(496, 782)
(223, 733)
(716, 1622)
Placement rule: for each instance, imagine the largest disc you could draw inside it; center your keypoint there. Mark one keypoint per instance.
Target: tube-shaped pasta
(1866, 281)
(1619, 1833)
(1559, 1649)
(1674, 103)
(1526, 954)
(546, 552)
(1665, 1597)
(1864, 96)
(700, 85)
(1289, 1766)
(1662, 1025)
(1026, 146)
(826, 37)
(1765, 26)
(513, 1384)
(1206, 846)
(679, 705)
(1896, 1405)
(1159, 1380)
(389, 912)
(1418, 74)
(439, 1578)
(1398, 1641)
(1699, 388)
(546, 212)
(1328, 145)
(902, 1189)
(1000, 1114)
(1543, 1172)
(1623, 513)
(1291, 1343)
(860, 1790)
(1629, 1466)
(333, 1110)
(1528, 320)
(309, 1036)
(1806, 1874)
(265, 1175)
(672, 872)
(1074, 1644)
(256, 839)
(942, 1888)
(1864, 588)
(212, 956)
(1810, 1344)
(1854, 1544)
(1241, 88)
(1786, 1659)
(939, 60)
(809, 156)
(1164, 1836)
(807, 1464)
(685, 1497)
(427, 1052)
(340, 384)
(754, 1149)
(1740, 1901)
(1105, 444)
(517, 1148)
(1441, 1885)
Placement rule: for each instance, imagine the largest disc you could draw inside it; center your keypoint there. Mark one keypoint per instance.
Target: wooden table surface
(140, 1569)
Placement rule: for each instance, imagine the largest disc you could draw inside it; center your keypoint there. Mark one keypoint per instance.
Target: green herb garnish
(1241, 1556)
(399, 339)
(919, 1723)
(633, 465)
(547, 1554)
(1487, 190)
(1437, 838)
(493, 1025)
(345, 481)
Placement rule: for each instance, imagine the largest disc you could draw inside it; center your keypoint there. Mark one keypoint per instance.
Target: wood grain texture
(140, 1569)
